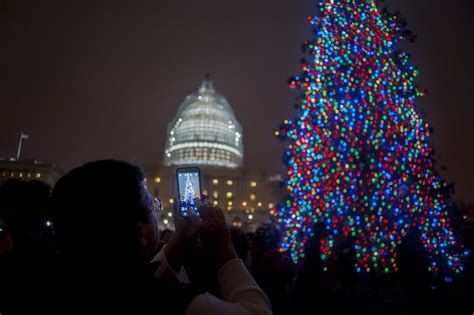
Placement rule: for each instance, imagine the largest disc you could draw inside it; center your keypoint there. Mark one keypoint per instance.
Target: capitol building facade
(206, 133)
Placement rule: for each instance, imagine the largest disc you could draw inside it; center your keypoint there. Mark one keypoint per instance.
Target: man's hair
(96, 208)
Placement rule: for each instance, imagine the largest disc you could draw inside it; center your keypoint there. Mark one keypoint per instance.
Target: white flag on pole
(25, 136)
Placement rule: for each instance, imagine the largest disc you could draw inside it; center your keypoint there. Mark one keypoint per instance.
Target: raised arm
(240, 294)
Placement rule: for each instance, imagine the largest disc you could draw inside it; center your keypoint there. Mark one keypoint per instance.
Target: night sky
(97, 79)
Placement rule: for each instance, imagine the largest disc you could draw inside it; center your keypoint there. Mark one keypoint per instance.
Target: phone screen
(189, 189)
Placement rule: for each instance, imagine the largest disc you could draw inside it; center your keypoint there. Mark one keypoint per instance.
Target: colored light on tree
(358, 157)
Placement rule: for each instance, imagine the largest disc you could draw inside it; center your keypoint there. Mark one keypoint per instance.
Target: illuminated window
(259, 203)
(27, 175)
(205, 193)
(229, 194)
(157, 180)
(215, 181)
(229, 208)
(170, 214)
(229, 202)
(250, 217)
(38, 175)
(4, 174)
(229, 182)
(215, 202)
(171, 200)
(21, 174)
(165, 221)
(12, 174)
(253, 197)
(244, 203)
(270, 205)
(215, 194)
(253, 184)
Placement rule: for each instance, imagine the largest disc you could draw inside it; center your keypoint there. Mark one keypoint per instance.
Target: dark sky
(96, 79)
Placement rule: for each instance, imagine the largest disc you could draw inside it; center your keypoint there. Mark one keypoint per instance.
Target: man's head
(165, 236)
(266, 237)
(103, 213)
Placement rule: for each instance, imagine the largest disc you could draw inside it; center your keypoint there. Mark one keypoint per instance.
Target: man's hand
(186, 231)
(213, 229)
(212, 224)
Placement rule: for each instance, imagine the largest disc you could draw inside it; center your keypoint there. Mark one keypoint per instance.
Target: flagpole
(19, 147)
(22, 136)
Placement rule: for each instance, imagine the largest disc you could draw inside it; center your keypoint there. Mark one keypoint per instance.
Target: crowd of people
(93, 245)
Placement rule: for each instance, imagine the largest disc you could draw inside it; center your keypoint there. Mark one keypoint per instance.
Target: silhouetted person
(347, 263)
(413, 264)
(240, 243)
(311, 281)
(164, 238)
(272, 269)
(25, 218)
(27, 249)
(342, 273)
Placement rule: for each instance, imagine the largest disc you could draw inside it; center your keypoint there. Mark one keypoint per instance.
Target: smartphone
(189, 189)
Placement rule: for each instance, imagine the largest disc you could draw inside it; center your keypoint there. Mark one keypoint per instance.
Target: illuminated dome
(205, 132)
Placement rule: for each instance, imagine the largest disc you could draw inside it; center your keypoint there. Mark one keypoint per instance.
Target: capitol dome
(205, 132)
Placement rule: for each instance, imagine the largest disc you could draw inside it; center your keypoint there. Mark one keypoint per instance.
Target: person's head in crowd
(239, 240)
(165, 236)
(320, 229)
(312, 248)
(266, 237)
(413, 235)
(24, 218)
(103, 214)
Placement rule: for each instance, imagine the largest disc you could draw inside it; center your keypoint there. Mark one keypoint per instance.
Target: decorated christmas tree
(189, 191)
(359, 158)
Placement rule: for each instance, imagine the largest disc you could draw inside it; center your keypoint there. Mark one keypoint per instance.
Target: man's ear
(141, 235)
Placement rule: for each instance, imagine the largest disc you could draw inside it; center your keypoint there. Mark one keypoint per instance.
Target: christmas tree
(189, 191)
(359, 159)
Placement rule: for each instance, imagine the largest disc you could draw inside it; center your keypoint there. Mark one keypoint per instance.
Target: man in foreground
(107, 233)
